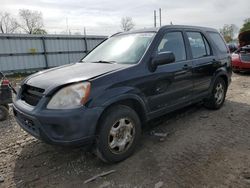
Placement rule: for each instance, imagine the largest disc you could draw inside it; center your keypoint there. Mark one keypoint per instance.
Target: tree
(127, 24)
(246, 25)
(228, 32)
(8, 24)
(40, 32)
(31, 21)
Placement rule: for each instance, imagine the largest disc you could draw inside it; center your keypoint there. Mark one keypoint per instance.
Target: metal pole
(160, 16)
(85, 41)
(67, 25)
(154, 18)
(85, 32)
(45, 53)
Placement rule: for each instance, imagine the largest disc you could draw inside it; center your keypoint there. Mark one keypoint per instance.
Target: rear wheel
(218, 95)
(119, 133)
(4, 112)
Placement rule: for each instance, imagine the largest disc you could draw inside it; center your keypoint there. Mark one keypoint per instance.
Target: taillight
(5, 82)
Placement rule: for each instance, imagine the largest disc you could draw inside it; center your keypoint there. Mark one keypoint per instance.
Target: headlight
(70, 97)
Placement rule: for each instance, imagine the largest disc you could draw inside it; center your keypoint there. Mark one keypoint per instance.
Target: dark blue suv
(105, 99)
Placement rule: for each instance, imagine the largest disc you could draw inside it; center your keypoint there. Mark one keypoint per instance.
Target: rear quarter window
(218, 41)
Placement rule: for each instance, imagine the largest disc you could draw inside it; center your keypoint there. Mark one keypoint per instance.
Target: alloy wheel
(219, 93)
(121, 136)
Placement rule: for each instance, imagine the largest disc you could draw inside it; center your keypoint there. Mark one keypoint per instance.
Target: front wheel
(218, 95)
(118, 135)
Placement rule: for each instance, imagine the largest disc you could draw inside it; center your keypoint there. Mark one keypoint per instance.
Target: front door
(172, 82)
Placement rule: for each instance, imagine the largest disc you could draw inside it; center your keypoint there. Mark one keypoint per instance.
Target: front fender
(114, 95)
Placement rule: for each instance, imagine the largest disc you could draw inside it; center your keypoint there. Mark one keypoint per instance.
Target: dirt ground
(203, 148)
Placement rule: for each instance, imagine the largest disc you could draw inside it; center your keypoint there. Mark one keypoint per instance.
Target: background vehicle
(127, 80)
(241, 57)
(232, 47)
(5, 96)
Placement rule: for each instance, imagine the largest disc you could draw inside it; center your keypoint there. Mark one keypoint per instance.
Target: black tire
(4, 113)
(214, 102)
(121, 119)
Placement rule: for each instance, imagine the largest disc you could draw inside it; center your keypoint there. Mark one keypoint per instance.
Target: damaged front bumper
(61, 127)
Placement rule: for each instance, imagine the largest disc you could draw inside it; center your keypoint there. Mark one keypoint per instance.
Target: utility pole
(67, 26)
(160, 16)
(154, 18)
(84, 31)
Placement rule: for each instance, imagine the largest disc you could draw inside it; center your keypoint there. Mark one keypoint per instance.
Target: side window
(199, 45)
(173, 41)
(217, 39)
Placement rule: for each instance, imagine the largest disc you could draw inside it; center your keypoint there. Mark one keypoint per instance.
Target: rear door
(203, 61)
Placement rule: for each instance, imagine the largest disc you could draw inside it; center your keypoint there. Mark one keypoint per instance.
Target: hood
(244, 38)
(71, 73)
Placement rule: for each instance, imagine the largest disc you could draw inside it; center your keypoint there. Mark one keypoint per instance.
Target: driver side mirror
(163, 58)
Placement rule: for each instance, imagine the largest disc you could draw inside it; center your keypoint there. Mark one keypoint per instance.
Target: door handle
(186, 67)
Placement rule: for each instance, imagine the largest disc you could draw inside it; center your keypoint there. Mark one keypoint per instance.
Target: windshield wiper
(101, 61)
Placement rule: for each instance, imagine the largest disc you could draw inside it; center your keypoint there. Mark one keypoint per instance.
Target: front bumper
(61, 127)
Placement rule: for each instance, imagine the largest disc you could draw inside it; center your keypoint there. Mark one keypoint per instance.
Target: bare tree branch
(32, 21)
(8, 24)
(228, 32)
(127, 24)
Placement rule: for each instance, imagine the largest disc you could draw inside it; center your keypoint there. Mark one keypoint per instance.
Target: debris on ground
(99, 175)
(159, 184)
(159, 134)
(162, 135)
(246, 175)
(105, 184)
(1, 179)
(204, 116)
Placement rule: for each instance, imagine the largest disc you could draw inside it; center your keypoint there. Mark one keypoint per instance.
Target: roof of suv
(156, 29)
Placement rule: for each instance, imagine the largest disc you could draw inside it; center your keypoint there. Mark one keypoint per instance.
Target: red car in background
(241, 57)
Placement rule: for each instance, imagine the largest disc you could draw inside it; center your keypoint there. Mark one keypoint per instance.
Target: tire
(118, 135)
(216, 100)
(4, 113)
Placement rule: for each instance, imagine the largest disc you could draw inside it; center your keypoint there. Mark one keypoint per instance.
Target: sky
(103, 17)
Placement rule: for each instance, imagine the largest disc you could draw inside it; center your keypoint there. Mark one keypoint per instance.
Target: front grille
(31, 95)
(245, 57)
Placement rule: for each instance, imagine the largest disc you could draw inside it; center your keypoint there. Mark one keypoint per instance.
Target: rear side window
(199, 45)
(217, 39)
(173, 41)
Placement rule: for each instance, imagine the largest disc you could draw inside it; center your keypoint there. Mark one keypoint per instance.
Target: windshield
(121, 49)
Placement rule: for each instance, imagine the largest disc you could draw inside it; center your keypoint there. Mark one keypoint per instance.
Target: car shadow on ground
(42, 165)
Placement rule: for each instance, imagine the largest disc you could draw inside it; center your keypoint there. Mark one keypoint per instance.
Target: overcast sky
(103, 16)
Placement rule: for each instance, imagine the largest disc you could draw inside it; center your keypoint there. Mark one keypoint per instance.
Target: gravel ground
(202, 148)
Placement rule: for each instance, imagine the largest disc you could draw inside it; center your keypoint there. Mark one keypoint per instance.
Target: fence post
(45, 53)
(86, 45)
